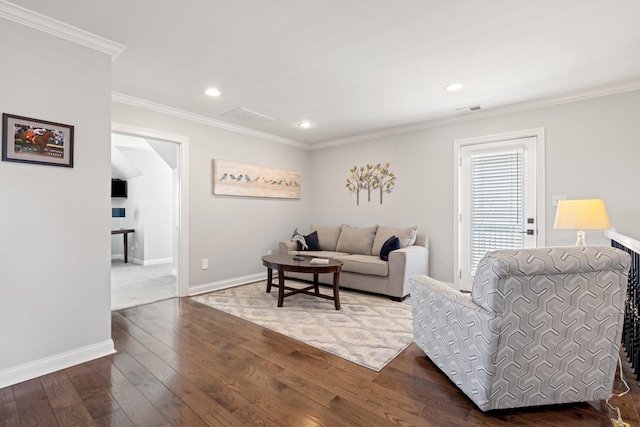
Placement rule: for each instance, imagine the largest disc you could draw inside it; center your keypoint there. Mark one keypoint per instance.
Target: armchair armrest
(418, 282)
(458, 335)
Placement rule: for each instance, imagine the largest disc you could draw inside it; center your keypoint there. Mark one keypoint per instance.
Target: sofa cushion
(356, 240)
(391, 244)
(312, 242)
(327, 236)
(407, 237)
(364, 264)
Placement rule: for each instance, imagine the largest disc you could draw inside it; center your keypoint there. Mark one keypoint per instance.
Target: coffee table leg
(336, 294)
(280, 286)
(269, 279)
(315, 284)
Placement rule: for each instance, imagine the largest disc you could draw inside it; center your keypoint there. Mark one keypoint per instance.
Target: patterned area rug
(367, 330)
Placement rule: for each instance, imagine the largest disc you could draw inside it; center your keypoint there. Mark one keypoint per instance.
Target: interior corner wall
(54, 244)
(231, 232)
(592, 151)
(153, 190)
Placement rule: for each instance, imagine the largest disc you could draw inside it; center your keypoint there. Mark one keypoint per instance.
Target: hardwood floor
(181, 363)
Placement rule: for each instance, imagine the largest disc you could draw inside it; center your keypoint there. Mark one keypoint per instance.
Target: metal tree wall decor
(370, 178)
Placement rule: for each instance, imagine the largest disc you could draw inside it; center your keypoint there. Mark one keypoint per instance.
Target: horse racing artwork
(240, 179)
(36, 141)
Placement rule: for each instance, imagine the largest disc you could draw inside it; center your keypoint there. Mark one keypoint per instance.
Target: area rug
(368, 330)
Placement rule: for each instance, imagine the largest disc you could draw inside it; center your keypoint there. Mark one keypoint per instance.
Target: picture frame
(35, 141)
(246, 180)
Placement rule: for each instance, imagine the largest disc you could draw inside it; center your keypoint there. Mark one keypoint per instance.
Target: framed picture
(36, 141)
(241, 179)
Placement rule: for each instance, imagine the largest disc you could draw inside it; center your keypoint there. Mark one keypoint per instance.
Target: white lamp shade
(590, 214)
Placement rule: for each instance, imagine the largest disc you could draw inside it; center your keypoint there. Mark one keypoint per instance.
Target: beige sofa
(359, 250)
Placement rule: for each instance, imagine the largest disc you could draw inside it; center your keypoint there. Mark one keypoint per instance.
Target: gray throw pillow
(327, 236)
(356, 240)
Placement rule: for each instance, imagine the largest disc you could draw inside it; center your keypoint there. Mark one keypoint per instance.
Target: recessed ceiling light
(305, 124)
(212, 92)
(452, 87)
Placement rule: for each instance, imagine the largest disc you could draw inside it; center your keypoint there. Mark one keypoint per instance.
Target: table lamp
(590, 214)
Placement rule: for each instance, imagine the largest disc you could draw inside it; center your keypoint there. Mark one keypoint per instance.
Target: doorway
(500, 197)
(158, 250)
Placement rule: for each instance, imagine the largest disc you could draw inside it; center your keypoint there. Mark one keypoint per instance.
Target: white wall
(154, 214)
(592, 151)
(231, 232)
(54, 221)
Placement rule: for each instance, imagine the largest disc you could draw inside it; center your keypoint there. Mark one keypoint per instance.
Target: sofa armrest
(285, 246)
(404, 263)
(458, 335)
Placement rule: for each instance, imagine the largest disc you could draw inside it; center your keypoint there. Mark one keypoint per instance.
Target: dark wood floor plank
(138, 409)
(183, 363)
(67, 405)
(114, 419)
(94, 390)
(8, 408)
(32, 404)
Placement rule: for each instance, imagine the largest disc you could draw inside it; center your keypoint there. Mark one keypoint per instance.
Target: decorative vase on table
(300, 241)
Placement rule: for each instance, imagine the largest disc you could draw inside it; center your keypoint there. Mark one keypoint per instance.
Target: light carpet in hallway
(134, 284)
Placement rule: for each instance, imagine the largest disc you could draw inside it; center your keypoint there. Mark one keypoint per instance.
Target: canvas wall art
(241, 179)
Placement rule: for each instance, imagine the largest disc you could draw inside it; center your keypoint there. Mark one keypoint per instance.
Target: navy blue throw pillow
(312, 242)
(391, 244)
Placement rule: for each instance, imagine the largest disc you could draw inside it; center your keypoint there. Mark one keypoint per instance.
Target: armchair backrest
(561, 314)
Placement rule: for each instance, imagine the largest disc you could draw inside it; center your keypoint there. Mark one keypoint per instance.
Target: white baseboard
(55, 363)
(157, 261)
(144, 262)
(224, 284)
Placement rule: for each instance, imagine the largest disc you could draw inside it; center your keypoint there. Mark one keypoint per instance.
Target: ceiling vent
(243, 116)
(469, 109)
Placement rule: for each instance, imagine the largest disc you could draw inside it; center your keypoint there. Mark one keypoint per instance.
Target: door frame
(183, 193)
(538, 133)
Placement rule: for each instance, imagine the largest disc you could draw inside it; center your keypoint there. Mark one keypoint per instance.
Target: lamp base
(580, 241)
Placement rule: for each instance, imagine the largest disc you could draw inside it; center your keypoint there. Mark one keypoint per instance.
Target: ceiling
(354, 67)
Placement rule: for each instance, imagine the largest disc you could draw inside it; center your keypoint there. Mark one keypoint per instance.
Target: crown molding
(56, 28)
(170, 111)
(499, 111)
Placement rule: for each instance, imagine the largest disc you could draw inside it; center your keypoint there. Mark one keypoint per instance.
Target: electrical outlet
(205, 263)
(269, 252)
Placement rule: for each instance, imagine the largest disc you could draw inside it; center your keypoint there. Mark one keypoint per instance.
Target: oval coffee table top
(274, 261)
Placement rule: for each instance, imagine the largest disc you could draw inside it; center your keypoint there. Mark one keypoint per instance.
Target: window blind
(497, 203)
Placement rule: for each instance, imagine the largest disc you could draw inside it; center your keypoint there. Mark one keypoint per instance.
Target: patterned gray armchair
(540, 326)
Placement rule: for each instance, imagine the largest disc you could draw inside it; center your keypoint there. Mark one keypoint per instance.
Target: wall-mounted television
(118, 188)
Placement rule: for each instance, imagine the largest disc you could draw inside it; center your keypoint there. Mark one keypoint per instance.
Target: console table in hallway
(125, 233)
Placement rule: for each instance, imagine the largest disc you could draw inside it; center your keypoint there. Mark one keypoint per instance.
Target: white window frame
(538, 133)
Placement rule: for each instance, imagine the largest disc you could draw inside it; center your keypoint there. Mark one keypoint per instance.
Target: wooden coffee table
(283, 263)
